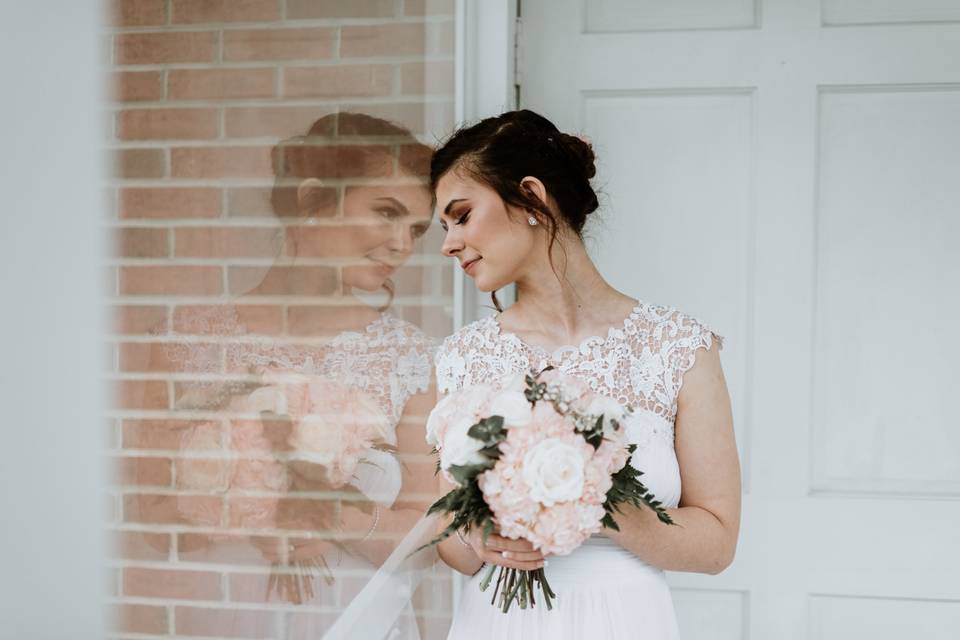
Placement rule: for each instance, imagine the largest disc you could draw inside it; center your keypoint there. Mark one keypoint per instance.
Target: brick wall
(236, 232)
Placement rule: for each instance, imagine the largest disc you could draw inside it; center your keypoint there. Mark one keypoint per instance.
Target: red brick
(298, 514)
(330, 241)
(281, 122)
(410, 115)
(140, 394)
(145, 472)
(165, 47)
(138, 13)
(283, 281)
(255, 318)
(279, 44)
(338, 81)
(134, 320)
(415, 159)
(161, 357)
(412, 281)
(428, 7)
(228, 242)
(309, 625)
(163, 434)
(256, 201)
(223, 11)
(233, 550)
(162, 280)
(137, 618)
(168, 124)
(136, 86)
(256, 588)
(298, 9)
(167, 509)
(170, 202)
(163, 583)
(139, 163)
(405, 39)
(433, 77)
(200, 395)
(219, 84)
(440, 38)
(130, 242)
(226, 623)
(221, 162)
(340, 161)
(139, 545)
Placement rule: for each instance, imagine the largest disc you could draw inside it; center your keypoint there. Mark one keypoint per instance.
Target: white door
(789, 172)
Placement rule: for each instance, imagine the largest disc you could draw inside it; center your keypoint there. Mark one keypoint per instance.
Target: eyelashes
(461, 220)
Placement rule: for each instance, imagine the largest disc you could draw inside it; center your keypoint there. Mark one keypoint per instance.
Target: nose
(451, 244)
(401, 237)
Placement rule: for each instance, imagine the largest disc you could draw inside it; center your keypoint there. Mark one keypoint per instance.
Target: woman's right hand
(504, 552)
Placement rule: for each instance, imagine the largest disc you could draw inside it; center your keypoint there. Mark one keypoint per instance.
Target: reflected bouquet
(542, 458)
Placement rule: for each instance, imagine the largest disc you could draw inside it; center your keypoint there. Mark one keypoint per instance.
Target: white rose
(514, 407)
(609, 408)
(458, 448)
(514, 382)
(554, 471)
(439, 417)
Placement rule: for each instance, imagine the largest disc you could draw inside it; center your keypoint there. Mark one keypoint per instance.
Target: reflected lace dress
(603, 590)
(388, 360)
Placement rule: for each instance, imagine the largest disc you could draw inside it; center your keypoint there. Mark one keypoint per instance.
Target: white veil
(374, 611)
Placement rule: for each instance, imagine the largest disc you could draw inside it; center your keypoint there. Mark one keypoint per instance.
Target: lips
(466, 265)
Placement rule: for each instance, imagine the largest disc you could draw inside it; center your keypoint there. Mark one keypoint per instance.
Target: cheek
(346, 240)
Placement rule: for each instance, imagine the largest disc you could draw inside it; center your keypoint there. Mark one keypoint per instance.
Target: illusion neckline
(559, 353)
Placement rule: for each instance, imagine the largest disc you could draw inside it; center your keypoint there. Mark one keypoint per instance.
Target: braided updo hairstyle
(501, 150)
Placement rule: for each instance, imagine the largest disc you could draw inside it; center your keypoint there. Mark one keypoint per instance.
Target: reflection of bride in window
(324, 466)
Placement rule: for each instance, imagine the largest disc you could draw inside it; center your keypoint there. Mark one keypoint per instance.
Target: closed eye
(461, 220)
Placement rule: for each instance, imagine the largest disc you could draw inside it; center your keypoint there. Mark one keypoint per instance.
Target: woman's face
(380, 224)
(477, 223)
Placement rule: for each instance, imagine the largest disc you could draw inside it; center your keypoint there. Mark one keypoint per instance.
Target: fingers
(307, 550)
(499, 543)
(497, 558)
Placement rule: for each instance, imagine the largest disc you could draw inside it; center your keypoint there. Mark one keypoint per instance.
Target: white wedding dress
(603, 590)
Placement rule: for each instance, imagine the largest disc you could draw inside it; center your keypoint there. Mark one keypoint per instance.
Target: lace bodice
(389, 359)
(640, 362)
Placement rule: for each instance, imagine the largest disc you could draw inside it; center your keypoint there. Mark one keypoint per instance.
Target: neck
(576, 296)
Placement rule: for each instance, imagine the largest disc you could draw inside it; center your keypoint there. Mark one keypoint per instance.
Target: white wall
(50, 332)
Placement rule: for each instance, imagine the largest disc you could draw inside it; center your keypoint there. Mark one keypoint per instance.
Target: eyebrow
(396, 203)
(446, 209)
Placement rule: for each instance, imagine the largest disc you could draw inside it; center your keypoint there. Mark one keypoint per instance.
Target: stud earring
(532, 221)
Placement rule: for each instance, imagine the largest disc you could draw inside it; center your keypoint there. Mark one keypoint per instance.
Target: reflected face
(380, 225)
(487, 236)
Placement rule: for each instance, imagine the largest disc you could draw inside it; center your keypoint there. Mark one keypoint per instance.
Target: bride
(510, 191)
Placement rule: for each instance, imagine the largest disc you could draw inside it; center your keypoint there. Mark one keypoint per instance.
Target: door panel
(786, 171)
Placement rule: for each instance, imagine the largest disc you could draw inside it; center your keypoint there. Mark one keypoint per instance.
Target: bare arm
(709, 508)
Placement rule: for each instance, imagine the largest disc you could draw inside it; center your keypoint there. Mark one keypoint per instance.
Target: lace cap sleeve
(450, 364)
(682, 336)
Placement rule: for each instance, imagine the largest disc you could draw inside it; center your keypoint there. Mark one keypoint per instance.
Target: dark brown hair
(500, 151)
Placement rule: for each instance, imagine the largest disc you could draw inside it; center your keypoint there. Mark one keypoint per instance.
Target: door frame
(484, 85)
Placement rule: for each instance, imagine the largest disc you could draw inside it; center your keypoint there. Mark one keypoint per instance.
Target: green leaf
(465, 474)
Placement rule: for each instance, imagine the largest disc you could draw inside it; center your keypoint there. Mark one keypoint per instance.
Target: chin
(485, 286)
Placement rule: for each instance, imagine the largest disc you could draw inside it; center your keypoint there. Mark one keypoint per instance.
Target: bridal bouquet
(338, 428)
(339, 437)
(543, 458)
